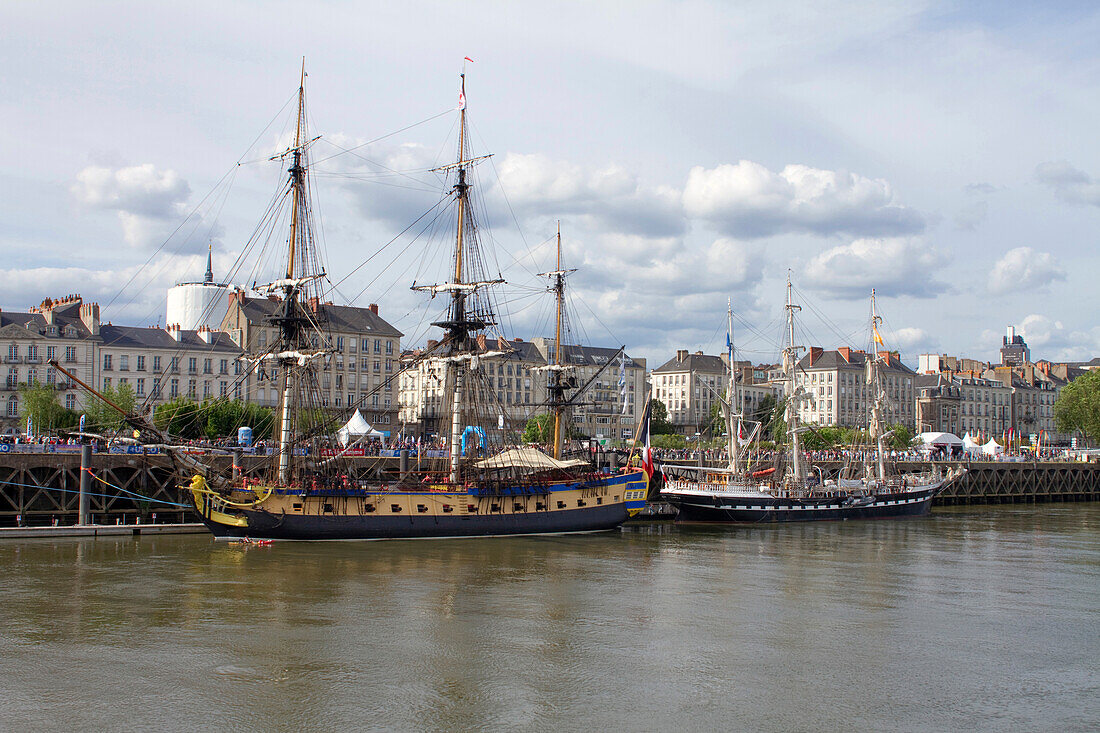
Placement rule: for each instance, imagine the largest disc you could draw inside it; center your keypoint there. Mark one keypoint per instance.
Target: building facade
(164, 364)
(360, 373)
(65, 330)
(512, 384)
(691, 385)
(837, 382)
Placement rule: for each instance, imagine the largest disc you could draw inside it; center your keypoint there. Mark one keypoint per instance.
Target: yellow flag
(878, 338)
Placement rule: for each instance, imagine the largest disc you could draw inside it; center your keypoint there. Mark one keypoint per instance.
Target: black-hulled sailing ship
(485, 489)
(741, 492)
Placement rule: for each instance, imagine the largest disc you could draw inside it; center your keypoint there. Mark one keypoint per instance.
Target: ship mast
(874, 381)
(796, 396)
(733, 413)
(459, 354)
(288, 320)
(556, 387)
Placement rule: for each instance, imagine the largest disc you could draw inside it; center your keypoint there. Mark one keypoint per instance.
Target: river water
(981, 618)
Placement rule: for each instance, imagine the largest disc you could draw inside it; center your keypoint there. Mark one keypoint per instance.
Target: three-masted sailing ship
(483, 490)
(737, 493)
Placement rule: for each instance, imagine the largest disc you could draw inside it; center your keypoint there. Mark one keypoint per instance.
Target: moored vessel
(482, 486)
(738, 494)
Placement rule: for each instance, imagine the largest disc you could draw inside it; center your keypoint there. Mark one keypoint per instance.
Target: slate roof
(139, 337)
(857, 360)
(694, 362)
(36, 324)
(595, 356)
(340, 318)
(524, 350)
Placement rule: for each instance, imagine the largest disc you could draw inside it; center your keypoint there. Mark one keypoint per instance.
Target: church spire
(209, 265)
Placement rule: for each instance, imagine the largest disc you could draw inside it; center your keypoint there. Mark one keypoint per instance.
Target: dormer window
(51, 330)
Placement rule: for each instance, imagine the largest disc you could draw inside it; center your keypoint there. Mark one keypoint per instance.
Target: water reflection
(940, 623)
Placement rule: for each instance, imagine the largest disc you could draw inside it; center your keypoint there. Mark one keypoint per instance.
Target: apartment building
(360, 373)
(513, 386)
(163, 364)
(65, 330)
(837, 382)
(691, 384)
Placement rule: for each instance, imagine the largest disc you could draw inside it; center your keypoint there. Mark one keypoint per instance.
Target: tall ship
(480, 486)
(791, 491)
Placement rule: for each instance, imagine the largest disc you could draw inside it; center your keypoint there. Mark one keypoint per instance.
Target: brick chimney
(206, 334)
(815, 354)
(846, 353)
(481, 342)
(314, 304)
(89, 316)
(681, 355)
(373, 308)
(173, 330)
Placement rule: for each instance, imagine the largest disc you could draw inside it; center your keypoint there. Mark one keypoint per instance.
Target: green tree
(776, 423)
(658, 419)
(668, 440)
(764, 410)
(39, 403)
(1078, 406)
(104, 417)
(180, 417)
(539, 429)
(901, 438)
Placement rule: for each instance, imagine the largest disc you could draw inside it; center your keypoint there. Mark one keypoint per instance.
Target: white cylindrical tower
(197, 304)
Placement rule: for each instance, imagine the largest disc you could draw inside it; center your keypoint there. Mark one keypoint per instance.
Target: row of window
(13, 404)
(173, 364)
(33, 353)
(354, 344)
(192, 387)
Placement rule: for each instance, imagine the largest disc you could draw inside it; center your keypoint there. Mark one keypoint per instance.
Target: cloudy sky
(943, 153)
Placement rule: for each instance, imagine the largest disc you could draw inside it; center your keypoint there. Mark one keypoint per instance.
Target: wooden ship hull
(587, 505)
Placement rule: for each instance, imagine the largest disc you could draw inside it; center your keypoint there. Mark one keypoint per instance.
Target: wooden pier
(38, 489)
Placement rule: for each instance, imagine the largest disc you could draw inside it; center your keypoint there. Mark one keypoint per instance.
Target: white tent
(992, 448)
(947, 439)
(971, 446)
(357, 428)
(527, 459)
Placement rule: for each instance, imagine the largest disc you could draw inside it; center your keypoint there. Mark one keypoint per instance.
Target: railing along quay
(39, 489)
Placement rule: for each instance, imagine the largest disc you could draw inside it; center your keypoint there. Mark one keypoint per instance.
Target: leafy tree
(765, 409)
(717, 424)
(179, 417)
(104, 417)
(658, 419)
(1078, 406)
(539, 429)
(39, 402)
(668, 440)
(215, 418)
(901, 439)
(776, 423)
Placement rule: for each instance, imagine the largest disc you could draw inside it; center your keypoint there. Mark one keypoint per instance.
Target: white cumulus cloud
(609, 197)
(747, 199)
(894, 266)
(150, 203)
(1068, 183)
(1024, 270)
